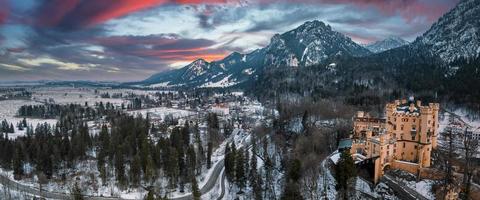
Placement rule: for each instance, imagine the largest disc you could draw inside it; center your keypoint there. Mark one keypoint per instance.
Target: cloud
(168, 47)
(13, 67)
(38, 62)
(76, 14)
(132, 39)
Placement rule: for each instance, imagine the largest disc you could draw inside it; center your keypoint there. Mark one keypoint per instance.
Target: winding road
(209, 185)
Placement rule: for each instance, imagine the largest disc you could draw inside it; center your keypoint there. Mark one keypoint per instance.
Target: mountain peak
(199, 61)
(396, 39)
(388, 43)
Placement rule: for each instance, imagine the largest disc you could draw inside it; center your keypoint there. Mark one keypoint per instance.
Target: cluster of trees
(125, 149)
(46, 148)
(14, 93)
(178, 157)
(68, 111)
(114, 95)
(241, 169)
(6, 127)
(136, 103)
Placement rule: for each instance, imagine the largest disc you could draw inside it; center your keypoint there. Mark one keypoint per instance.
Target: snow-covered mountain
(456, 34)
(386, 44)
(309, 44)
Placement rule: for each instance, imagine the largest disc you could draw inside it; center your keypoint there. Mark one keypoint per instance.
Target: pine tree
(229, 164)
(252, 175)
(135, 170)
(292, 190)
(344, 171)
(209, 155)
(195, 191)
(120, 166)
(240, 170)
(18, 163)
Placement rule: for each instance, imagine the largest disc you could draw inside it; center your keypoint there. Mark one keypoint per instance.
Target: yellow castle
(403, 139)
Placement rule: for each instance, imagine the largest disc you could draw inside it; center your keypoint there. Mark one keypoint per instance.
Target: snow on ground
(66, 95)
(470, 119)
(87, 176)
(385, 192)
(335, 157)
(364, 187)
(161, 112)
(327, 181)
(217, 190)
(225, 82)
(8, 111)
(6, 193)
(162, 84)
(424, 187)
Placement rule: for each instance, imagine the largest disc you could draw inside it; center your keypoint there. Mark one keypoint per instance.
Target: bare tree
(470, 146)
(446, 156)
(310, 177)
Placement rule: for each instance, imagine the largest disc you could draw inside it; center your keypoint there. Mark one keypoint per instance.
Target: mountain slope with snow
(456, 34)
(386, 44)
(309, 44)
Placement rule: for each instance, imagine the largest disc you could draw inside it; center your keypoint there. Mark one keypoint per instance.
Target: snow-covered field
(8, 111)
(65, 95)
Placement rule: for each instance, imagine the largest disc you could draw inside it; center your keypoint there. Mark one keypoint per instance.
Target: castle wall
(405, 166)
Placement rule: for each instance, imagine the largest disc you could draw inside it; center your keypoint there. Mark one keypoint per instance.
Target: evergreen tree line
(51, 111)
(46, 148)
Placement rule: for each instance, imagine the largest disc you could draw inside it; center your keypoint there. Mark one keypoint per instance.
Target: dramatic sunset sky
(126, 40)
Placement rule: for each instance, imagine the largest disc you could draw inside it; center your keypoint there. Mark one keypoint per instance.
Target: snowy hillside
(386, 44)
(456, 34)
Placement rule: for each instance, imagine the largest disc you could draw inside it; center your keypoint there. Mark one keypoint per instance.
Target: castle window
(429, 121)
(404, 145)
(413, 120)
(401, 127)
(415, 147)
(413, 137)
(395, 127)
(394, 119)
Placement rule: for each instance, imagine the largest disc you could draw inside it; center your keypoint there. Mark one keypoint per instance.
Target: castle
(402, 140)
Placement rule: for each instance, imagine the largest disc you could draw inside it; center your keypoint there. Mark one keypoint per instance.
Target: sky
(129, 40)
